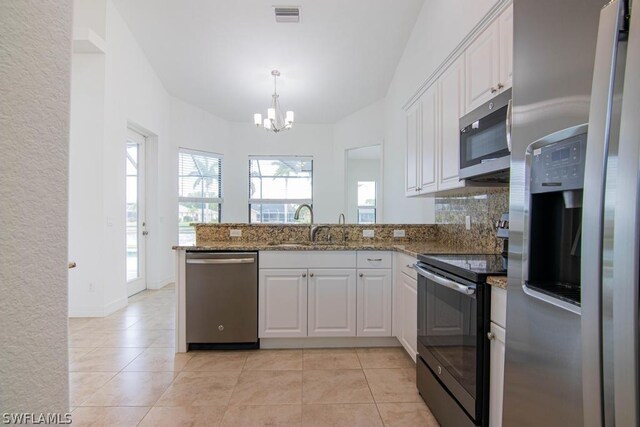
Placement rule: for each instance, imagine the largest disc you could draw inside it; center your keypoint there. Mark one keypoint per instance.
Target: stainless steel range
(453, 321)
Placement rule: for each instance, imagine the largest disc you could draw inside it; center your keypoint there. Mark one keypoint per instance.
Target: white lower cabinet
(497, 351)
(282, 307)
(408, 321)
(374, 303)
(332, 303)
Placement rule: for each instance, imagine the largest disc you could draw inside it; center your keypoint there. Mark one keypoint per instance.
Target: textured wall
(35, 55)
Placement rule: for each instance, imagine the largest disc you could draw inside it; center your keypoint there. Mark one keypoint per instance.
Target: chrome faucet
(314, 228)
(342, 221)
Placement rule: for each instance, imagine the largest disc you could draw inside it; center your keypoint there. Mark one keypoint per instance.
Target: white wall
(440, 27)
(301, 140)
(35, 65)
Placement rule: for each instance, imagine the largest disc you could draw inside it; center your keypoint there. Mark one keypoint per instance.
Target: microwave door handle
(467, 290)
(508, 124)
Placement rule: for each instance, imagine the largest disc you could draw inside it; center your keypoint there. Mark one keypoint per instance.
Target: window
(199, 192)
(366, 202)
(277, 186)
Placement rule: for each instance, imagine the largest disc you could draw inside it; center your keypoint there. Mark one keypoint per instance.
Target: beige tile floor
(124, 372)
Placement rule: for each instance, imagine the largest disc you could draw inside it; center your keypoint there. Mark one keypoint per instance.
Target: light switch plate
(368, 233)
(235, 233)
(399, 233)
(467, 222)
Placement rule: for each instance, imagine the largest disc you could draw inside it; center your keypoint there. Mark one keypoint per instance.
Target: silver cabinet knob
(304, 274)
(144, 233)
(361, 275)
(491, 335)
(220, 328)
(494, 90)
(500, 85)
(311, 275)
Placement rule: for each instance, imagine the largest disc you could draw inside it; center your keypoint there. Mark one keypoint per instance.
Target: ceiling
(219, 54)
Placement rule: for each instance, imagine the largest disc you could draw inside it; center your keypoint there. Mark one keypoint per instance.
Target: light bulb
(267, 124)
(271, 113)
(257, 119)
(289, 117)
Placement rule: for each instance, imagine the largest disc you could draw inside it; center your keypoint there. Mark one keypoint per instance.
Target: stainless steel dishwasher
(222, 300)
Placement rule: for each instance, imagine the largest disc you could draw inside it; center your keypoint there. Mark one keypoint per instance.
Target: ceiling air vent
(288, 14)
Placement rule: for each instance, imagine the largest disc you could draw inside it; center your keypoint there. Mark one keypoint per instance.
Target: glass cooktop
(475, 267)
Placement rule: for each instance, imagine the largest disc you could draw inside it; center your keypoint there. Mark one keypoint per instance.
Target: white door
(409, 307)
(411, 166)
(451, 109)
(506, 48)
(429, 148)
(482, 63)
(374, 303)
(282, 306)
(135, 214)
(496, 384)
(332, 303)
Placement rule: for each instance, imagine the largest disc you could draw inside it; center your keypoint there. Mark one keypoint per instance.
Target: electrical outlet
(235, 233)
(467, 222)
(399, 233)
(368, 233)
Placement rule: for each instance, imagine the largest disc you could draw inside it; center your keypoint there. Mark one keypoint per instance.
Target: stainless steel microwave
(485, 141)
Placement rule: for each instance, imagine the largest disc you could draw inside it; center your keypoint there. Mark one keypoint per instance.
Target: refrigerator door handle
(626, 249)
(593, 211)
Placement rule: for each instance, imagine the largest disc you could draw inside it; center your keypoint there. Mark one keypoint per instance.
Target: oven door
(484, 147)
(449, 324)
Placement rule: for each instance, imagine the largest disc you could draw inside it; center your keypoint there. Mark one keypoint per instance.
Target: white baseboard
(335, 342)
(159, 284)
(114, 306)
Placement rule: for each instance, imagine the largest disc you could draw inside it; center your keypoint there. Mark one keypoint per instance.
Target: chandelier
(275, 121)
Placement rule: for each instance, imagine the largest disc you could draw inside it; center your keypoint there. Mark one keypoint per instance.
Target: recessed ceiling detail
(287, 14)
(218, 54)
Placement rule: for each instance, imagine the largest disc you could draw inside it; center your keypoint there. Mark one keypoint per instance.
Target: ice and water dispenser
(555, 166)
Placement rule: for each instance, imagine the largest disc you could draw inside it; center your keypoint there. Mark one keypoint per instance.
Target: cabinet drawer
(307, 259)
(375, 259)
(404, 263)
(499, 306)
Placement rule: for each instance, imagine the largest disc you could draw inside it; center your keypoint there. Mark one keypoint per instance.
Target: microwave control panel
(559, 166)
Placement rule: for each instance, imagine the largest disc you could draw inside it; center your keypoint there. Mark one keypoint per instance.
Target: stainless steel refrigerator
(572, 298)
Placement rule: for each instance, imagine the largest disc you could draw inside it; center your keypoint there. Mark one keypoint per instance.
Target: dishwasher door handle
(221, 261)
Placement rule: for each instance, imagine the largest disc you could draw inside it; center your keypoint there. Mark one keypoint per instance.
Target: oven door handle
(467, 290)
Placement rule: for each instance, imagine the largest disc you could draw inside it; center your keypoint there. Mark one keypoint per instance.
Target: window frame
(260, 201)
(204, 200)
(373, 207)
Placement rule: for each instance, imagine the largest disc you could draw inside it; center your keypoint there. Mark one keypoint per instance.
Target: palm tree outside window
(199, 191)
(277, 186)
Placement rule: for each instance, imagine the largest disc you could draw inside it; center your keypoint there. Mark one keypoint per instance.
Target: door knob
(491, 335)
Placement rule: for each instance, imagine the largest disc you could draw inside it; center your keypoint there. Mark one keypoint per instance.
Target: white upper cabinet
(374, 303)
(429, 141)
(490, 61)
(451, 85)
(332, 303)
(483, 67)
(411, 166)
(282, 304)
(506, 48)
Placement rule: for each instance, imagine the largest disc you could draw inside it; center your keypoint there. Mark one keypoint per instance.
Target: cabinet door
(282, 307)
(332, 303)
(428, 142)
(451, 109)
(409, 307)
(482, 68)
(496, 385)
(411, 165)
(374, 303)
(506, 48)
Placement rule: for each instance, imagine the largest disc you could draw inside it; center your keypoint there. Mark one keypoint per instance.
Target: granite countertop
(497, 281)
(409, 248)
